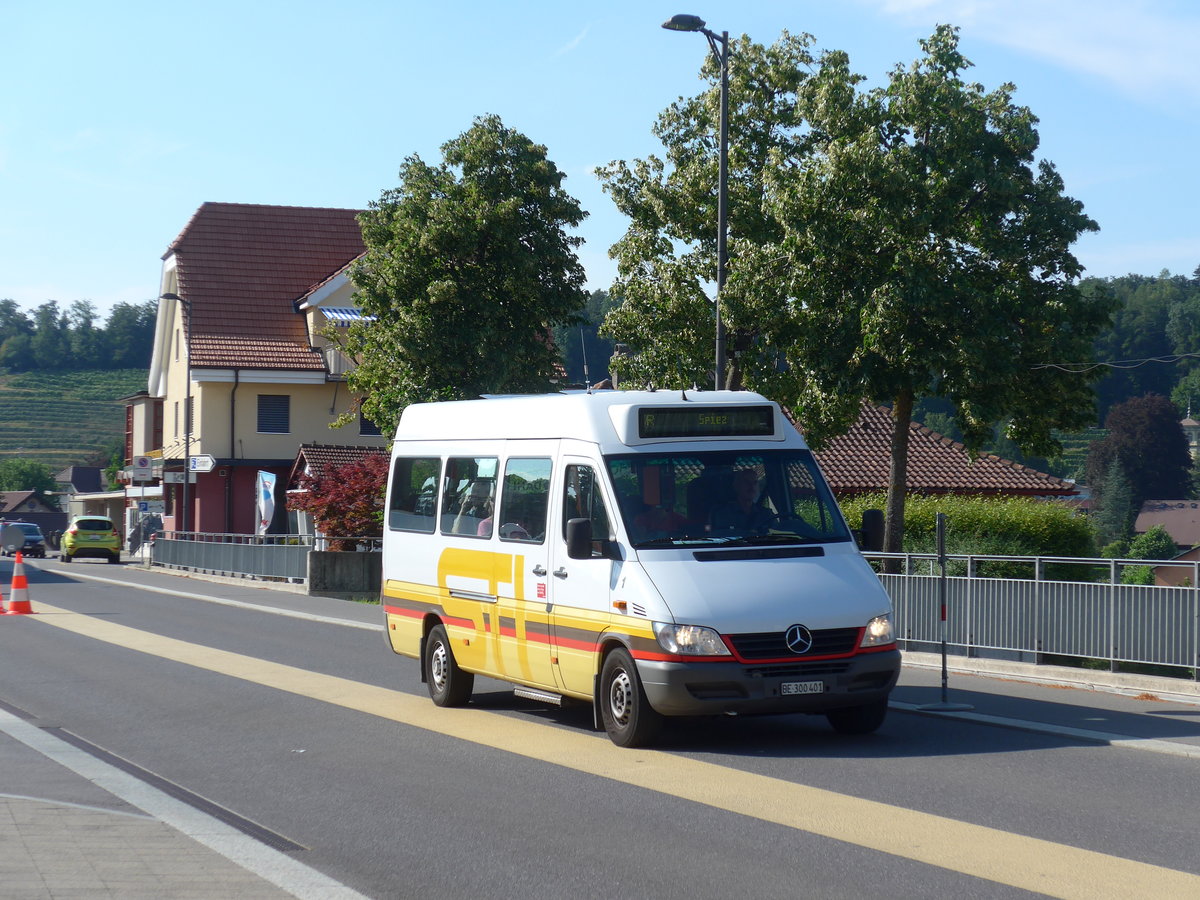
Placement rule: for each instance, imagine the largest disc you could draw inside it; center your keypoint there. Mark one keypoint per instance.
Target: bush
(992, 526)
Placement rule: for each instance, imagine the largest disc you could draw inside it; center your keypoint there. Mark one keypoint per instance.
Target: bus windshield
(748, 497)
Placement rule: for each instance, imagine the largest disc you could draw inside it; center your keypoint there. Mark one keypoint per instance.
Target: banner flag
(266, 500)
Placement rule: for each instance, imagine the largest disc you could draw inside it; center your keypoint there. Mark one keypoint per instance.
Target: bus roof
(613, 419)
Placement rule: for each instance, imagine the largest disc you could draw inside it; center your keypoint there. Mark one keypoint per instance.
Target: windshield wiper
(676, 541)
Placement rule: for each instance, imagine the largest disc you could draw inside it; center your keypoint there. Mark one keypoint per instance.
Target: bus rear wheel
(448, 684)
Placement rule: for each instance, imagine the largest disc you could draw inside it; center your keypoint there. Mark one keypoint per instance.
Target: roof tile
(860, 462)
(241, 266)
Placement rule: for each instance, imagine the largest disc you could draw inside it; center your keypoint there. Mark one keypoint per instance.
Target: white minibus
(653, 553)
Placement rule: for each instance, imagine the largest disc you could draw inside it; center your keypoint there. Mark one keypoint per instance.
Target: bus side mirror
(579, 538)
(871, 538)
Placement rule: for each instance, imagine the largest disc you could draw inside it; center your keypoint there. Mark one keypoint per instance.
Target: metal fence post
(1038, 617)
(1196, 621)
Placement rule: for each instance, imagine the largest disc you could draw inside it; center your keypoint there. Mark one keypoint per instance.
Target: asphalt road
(310, 727)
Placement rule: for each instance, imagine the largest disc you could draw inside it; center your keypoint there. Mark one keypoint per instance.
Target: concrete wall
(338, 574)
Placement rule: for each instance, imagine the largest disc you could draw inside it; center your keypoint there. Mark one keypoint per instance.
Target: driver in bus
(744, 514)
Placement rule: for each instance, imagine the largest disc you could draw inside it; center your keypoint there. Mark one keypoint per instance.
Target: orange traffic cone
(18, 597)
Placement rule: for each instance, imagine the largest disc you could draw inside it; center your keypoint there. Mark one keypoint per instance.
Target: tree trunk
(733, 373)
(893, 535)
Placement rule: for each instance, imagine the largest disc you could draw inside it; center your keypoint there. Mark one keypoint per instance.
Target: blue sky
(118, 120)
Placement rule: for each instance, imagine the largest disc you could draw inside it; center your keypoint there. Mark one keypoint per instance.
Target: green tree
(88, 346)
(574, 343)
(902, 244)
(27, 475)
(13, 321)
(16, 353)
(49, 343)
(468, 265)
(1115, 511)
(129, 332)
(1154, 544)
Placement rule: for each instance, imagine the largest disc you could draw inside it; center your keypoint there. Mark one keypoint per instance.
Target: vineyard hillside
(65, 418)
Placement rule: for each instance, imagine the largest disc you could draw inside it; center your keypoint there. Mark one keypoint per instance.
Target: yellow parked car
(91, 536)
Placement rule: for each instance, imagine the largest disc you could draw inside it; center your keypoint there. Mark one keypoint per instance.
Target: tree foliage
(1154, 544)
(346, 501)
(1157, 320)
(887, 244)
(468, 265)
(576, 342)
(18, 474)
(1114, 511)
(1146, 438)
(52, 339)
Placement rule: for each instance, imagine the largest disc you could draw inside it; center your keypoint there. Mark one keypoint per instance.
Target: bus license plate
(802, 687)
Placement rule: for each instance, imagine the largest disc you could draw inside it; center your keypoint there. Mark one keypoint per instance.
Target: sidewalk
(66, 837)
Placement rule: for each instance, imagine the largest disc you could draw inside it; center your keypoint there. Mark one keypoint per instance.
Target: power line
(1078, 368)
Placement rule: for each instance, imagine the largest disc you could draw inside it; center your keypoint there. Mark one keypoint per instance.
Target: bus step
(542, 696)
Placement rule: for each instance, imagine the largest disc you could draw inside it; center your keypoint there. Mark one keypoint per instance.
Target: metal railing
(1066, 607)
(269, 556)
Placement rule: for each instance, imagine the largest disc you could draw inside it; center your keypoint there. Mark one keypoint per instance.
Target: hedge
(997, 526)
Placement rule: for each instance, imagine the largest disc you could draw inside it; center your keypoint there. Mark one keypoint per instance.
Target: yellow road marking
(1028, 863)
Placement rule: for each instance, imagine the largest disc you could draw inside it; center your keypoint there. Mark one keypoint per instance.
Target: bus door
(581, 588)
(523, 580)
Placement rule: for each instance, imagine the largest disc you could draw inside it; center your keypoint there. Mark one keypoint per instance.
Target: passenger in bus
(485, 526)
(744, 514)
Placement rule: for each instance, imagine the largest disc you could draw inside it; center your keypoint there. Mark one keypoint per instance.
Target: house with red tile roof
(314, 460)
(246, 294)
(859, 462)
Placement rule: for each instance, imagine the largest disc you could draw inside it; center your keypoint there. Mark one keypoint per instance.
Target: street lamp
(721, 53)
(187, 403)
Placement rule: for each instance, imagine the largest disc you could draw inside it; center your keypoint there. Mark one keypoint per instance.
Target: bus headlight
(878, 632)
(690, 640)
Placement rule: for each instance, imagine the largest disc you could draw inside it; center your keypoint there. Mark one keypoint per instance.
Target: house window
(366, 426)
(274, 413)
(176, 410)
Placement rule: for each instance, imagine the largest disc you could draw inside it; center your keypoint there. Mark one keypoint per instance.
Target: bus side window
(524, 501)
(413, 503)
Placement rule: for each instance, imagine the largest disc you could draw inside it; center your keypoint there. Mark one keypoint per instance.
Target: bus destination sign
(706, 421)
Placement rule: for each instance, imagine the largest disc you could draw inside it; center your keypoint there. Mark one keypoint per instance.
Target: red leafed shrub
(346, 501)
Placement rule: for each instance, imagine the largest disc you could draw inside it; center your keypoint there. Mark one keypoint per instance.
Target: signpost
(201, 463)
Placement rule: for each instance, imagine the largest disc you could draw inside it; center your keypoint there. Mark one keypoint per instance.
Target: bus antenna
(587, 379)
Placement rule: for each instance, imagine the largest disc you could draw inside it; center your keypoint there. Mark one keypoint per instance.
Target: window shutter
(273, 413)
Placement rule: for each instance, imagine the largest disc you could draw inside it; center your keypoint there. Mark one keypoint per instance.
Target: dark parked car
(35, 541)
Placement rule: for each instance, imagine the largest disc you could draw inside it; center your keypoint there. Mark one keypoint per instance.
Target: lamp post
(719, 44)
(187, 403)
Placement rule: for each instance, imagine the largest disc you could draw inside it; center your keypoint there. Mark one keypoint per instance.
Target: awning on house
(345, 315)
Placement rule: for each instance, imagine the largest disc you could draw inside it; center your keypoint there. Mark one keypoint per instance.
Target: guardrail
(1049, 613)
(281, 557)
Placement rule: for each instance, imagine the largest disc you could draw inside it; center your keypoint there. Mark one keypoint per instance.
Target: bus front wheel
(628, 717)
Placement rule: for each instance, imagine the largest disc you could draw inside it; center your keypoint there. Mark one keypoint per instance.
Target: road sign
(142, 468)
(201, 463)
